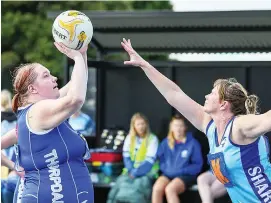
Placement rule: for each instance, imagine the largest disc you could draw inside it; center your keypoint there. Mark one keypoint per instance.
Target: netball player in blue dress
(239, 153)
(49, 150)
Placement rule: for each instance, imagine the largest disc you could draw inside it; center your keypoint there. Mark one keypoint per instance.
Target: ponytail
(15, 102)
(251, 104)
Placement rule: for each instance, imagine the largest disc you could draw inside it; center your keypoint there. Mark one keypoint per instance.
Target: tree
(27, 33)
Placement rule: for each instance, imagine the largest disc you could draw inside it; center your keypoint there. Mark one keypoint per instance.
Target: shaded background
(26, 37)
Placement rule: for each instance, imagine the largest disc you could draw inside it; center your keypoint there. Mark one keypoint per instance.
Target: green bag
(127, 190)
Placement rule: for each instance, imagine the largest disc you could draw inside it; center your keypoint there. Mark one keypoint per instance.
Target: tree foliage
(26, 30)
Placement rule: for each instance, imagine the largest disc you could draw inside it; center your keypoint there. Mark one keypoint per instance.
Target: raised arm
(64, 90)
(173, 94)
(252, 126)
(49, 113)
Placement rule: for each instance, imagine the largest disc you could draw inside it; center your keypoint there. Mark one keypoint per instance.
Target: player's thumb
(130, 63)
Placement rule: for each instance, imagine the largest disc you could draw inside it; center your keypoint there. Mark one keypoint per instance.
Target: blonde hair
(132, 131)
(5, 99)
(232, 91)
(170, 136)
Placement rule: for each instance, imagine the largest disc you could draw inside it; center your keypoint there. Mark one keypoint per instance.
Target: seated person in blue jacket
(180, 160)
(83, 123)
(140, 147)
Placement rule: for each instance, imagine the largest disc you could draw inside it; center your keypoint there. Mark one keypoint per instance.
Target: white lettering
(255, 171)
(259, 179)
(260, 183)
(267, 194)
(54, 175)
(54, 172)
(53, 153)
(261, 188)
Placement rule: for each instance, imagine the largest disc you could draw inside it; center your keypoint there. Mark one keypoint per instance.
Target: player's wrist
(78, 57)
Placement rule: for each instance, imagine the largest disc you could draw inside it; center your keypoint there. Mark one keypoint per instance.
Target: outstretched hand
(135, 58)
(67, 51)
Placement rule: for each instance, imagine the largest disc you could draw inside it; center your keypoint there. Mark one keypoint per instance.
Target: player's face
(178, 128)
(140, 126)
(45, 84)
(212, 101)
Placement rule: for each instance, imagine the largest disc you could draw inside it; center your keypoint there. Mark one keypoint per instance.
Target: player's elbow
(74, 102)
(77, 102)
(76, 97)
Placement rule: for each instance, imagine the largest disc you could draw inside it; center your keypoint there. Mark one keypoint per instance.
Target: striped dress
(54, 166)
(245, 170)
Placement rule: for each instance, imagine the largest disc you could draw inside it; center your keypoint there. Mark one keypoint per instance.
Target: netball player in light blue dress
(239, 153)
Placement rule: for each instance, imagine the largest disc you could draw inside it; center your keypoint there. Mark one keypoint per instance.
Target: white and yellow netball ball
(72, 28)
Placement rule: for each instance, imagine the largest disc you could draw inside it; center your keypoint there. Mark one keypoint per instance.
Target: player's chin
(205, 109)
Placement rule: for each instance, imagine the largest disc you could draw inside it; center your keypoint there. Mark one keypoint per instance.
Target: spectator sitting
(8, 122)
(140, 147)
(8, 118)
(139, 150)
(180, 162)
(82, 123)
